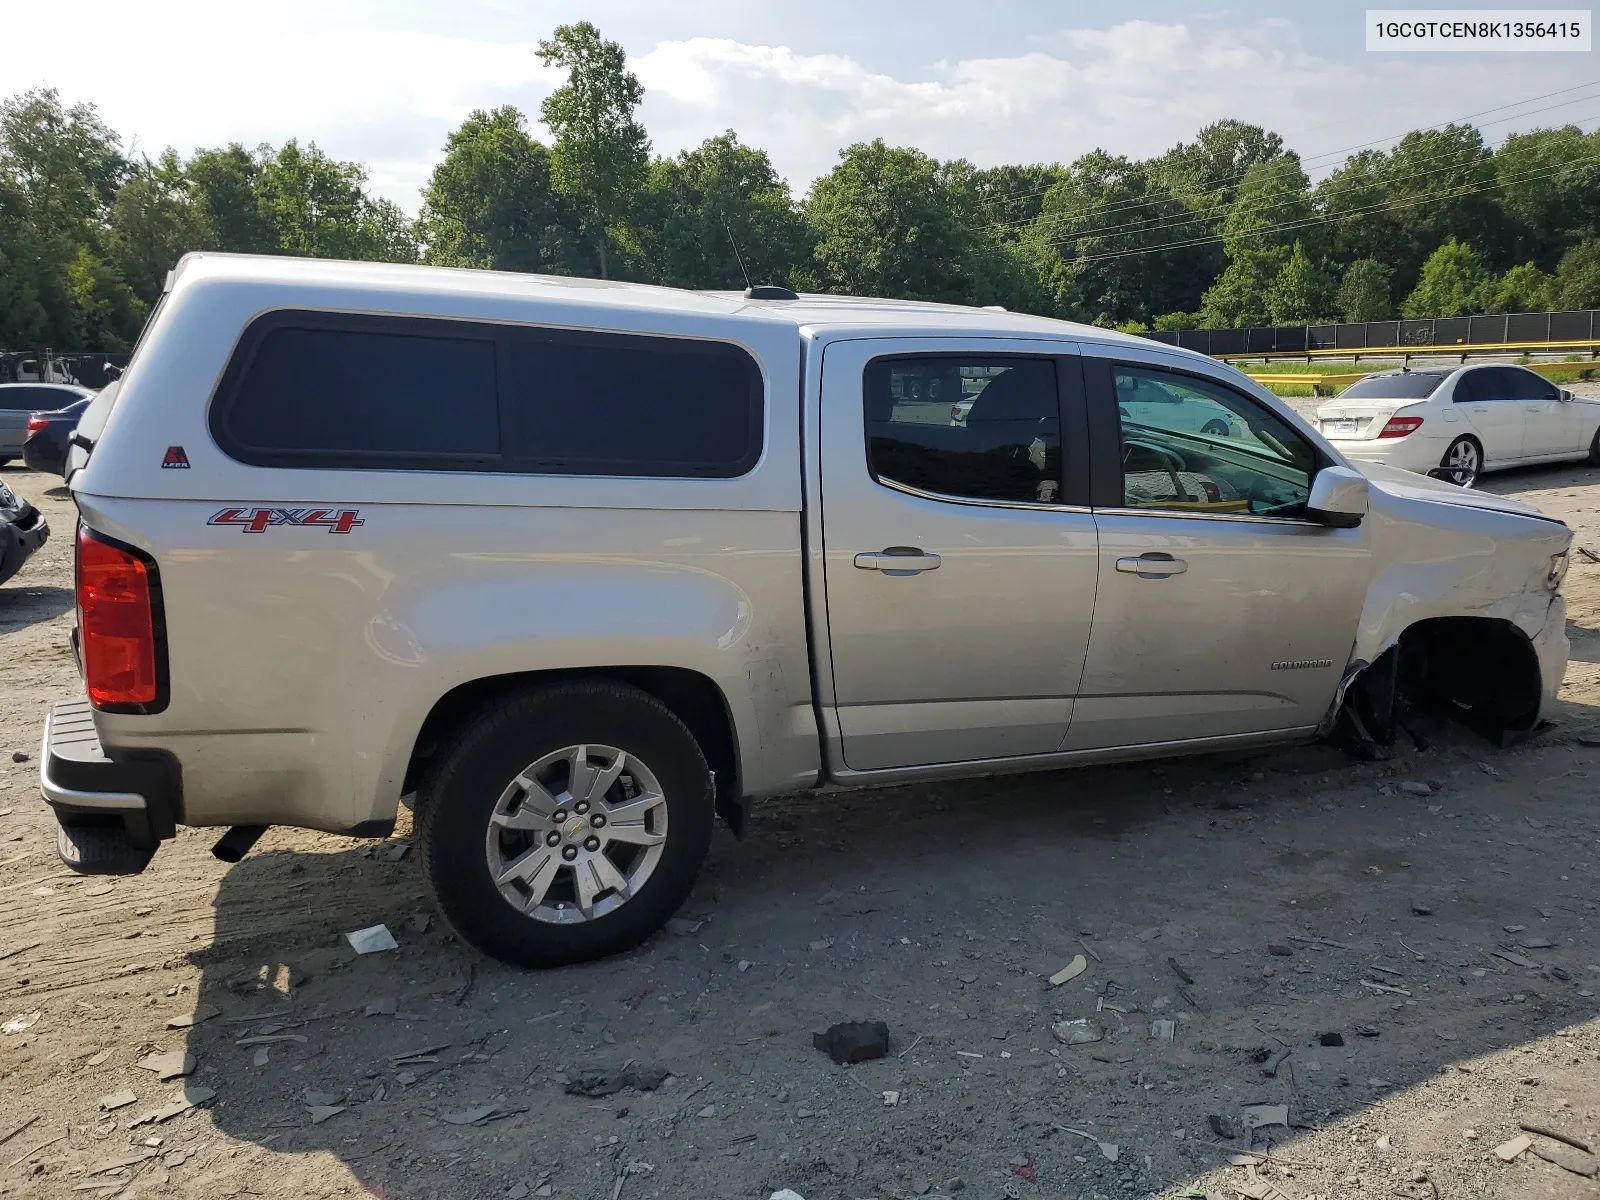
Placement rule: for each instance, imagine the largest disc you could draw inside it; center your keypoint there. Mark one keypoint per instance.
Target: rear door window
(1529, 386)
(980, 428)
(28, 399)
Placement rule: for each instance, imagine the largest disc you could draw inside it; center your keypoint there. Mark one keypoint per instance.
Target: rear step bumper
(112, 812)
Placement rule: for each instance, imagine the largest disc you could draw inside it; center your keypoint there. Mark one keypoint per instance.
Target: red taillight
(116, 624)
(1400, 426)
(37, 423)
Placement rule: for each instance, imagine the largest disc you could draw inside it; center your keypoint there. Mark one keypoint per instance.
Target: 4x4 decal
(258, 520)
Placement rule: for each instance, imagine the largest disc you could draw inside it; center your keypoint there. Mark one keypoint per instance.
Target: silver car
(582, 567)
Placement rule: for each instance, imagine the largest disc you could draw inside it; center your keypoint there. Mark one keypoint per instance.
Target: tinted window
(982, 428)
(614, 404)
(23, 398)
(1526, 385)
(1190, 445)
(1410, 385)
(347, 392)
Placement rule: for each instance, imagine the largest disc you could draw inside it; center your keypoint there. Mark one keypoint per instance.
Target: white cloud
(363, 85)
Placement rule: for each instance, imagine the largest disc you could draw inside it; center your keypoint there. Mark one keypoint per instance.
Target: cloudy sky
(383, 81)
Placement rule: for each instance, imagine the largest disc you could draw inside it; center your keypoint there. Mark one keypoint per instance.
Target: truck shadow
(1254, 901)
(23, 603)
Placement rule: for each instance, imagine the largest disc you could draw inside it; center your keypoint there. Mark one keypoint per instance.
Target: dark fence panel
(1528, 327)
(1571, 326)
(1487, 330)
(1416, 333)
(1449, 331)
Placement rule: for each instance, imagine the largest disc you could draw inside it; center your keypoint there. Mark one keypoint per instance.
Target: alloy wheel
(576, 834)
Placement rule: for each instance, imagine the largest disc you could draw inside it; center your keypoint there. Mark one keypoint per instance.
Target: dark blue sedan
(49, 435)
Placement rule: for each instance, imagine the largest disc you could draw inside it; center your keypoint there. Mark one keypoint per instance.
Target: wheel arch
(695, 699)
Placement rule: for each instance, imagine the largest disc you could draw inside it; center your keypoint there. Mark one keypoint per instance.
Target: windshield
(1410, 385)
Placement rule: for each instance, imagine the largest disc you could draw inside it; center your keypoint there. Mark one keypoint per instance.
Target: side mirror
(1338, 498)
(1566, 396)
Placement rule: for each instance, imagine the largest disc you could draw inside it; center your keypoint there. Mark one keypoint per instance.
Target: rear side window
(616, 404)
(389, 393)
(18, 399)
(1411, 385)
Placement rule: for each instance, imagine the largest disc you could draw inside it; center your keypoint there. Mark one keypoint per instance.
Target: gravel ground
(1437, 913)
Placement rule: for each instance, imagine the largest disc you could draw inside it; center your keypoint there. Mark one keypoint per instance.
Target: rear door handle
(1152, 565)
(898, 560)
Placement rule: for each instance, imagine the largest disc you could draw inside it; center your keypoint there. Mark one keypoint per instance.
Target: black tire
(1215, 428)
(1594, 450)
(1449, 470)
(459, 792)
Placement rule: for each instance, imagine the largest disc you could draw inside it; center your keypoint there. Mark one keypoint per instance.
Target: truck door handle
(1152, 565)
(898, 560)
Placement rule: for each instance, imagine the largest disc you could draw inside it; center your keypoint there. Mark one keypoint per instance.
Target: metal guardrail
(1500, 333)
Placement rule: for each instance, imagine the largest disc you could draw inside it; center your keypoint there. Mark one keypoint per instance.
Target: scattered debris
(820, 944)
(383, 1006)
(372, 939)
(1330, 1039)
(1165, 1031)
(786, 1194)
(117, 1100)
(322, 1112)
(1568, 1160)
(853, 1041)
(891, 1099)
(1383, 1142)
(1422, 908)
(1384, 987)
(482, 1116)
(1279, 950)
(394, 851)
(1222, 1126)
(1077, 1032)
(597, 1084)
(1108, 1149)
(1555, 1135)
(181, 1102)
(1258, 1116)
(174, 1064)
(1261, 1189)
(1415, 787)
(1369, 1031)
(21, 1024)
(189, 1020)
(1510, 1151)
(19, 756)
(1319, 941)
(1177, 969)
(683, 926)
(829, 896)
(1536, 943)
(1516, 960)
(1270, 1067)
(1072, 970)
(418, 922)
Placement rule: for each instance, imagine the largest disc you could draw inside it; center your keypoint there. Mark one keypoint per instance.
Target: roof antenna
(751, 291)
(739, 258)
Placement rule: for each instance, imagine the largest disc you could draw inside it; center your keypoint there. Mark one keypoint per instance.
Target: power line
(1176, 220)
(1390, 205)
(1331, 154)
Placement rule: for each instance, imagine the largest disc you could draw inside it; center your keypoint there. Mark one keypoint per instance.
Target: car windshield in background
(1410, 385)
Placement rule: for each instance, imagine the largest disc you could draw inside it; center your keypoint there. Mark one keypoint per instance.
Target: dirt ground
(1450, 940)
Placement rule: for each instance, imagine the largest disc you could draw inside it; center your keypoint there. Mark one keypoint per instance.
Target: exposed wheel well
(694, 698)
(1482, 671)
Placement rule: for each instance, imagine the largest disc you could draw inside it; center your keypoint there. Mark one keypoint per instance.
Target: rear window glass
(617, 404)
(344, 392)
(405, 393)
(1412, 385)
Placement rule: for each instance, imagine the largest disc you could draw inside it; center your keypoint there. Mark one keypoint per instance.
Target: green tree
(1301, 292)
(106, 315)
(154, 221)
(1524, 288)
(1364, 291)
(1012, 197)
(1271, 215)
(1549, 189)
(318, 209)
(490, 203)
(1454, 283)
(691, 205)
(891, 221)
(223, 185)
(1439, 185)
(1577, 283)
(1090, 240)
(601, 152)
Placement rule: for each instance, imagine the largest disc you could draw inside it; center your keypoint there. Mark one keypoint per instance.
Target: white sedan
(1456, 422)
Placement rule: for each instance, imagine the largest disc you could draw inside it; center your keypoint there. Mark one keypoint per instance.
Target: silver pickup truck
(581, 565)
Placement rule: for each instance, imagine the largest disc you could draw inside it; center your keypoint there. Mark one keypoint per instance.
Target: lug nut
(552, 838)
(581, 807)
(569, 853)
(597, 821)
(559, 815)
(591, 844)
